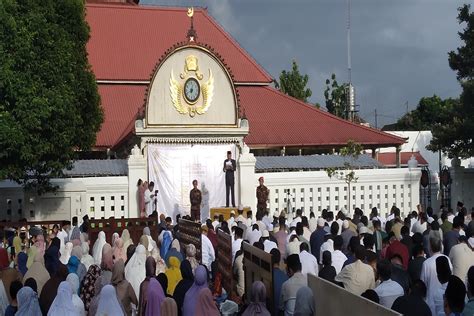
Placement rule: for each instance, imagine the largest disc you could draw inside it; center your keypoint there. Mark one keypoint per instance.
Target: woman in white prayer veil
(114, 236)
(73, 280)
(151, 242)
(108, 302)
(62, 304)
(66, 253)
(87, 260)
(135, 269)
(97, 249)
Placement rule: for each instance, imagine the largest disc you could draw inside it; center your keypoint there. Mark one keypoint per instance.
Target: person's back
(388, 290)
(279, 277)
(413, 304)
(292, 285)
(317, 238)
(358, 276)
(469, 308)
(415, 265)
(462, 258)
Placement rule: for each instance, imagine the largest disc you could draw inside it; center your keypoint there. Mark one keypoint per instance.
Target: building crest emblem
(189, 94)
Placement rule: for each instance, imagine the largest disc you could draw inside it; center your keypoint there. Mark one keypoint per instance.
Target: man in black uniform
(229, 167)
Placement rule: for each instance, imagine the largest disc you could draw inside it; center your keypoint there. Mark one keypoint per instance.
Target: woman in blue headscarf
(28, 304)
(22, 259)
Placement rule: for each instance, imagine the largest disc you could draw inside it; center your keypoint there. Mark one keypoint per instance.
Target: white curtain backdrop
(173, 168)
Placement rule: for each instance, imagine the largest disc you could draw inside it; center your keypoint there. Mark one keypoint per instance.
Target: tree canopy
(294, 84)
(49, 104)
(430, 112)
(336, 98)
(455, 135)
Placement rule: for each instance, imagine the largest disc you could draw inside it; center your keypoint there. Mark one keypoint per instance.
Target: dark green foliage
(49, 104)
(455, 135)
(336, 99)
(294, 84)
(430, 112)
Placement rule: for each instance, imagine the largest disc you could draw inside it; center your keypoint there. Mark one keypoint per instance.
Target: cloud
(399, 48)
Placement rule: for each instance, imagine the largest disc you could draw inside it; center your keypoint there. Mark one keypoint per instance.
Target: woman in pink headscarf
(119, 251)
(107, 262)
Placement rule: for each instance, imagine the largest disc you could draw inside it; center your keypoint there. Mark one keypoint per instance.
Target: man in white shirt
(309, 264)
(207, 251)
(291, 286)
(237, 244)
(297, 219)
(215, 223)
(268, 245)
(150, 199)
(313, 222)
(293, 247)
(462, 257)
(63, 234)
(231, 220)
(420, 225)
(444, 272)
(357, 277)
(428, 272)
(388, 290)
(254, 235)
(338, 257)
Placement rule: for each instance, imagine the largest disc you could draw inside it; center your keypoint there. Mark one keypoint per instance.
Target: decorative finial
(190, 12)
(192, 35)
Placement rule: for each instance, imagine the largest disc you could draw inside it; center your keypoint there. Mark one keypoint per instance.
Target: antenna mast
(350, 91)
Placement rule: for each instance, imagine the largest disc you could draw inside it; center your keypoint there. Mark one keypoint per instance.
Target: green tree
(455, 136)
(294, 84)
(336, 99)
(429, 112)
(351, 152)
(49, 104)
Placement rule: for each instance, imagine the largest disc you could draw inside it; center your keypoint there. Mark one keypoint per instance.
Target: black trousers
(229, 188)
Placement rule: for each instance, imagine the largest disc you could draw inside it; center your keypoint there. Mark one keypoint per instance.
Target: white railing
(315, 191)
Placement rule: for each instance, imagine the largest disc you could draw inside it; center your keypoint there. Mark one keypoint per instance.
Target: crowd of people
(420, 265)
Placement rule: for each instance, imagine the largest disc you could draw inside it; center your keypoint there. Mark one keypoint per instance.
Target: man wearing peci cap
(262, 196)
(229, 168)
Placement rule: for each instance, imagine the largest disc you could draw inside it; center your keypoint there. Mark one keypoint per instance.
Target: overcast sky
(399, 47)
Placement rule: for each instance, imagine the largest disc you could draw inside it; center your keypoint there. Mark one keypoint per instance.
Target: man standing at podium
(229, 167)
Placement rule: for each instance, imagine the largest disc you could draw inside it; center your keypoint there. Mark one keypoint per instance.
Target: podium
(226, 212)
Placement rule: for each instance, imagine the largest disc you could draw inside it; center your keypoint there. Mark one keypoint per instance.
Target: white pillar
(136, 171)
(248, 180)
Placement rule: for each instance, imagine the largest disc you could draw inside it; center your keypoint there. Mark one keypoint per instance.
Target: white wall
(314, 190)
(310, 190)
(96, 196)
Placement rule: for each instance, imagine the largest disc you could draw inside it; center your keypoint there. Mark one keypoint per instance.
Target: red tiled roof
(127, 41)
(276, 119)
(389, 159)
(121, 104)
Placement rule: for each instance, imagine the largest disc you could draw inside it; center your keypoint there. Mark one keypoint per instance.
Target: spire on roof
(192, 34)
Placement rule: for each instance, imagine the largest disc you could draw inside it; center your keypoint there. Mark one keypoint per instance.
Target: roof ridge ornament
(192, 34)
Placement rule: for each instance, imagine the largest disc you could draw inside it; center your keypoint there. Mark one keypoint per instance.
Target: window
(122, 208)
(310, 199)
(362, 197)
(319, 198)
(370, 187)
(311, 190)
(276, 200)
(370, 198)
(102, 198)
(401, 186)
(319, 189)
(112, 208)
(112, 198)
(378, 187)
(409, 186)
(327, 189)
(19, 201)
(102, 208)
(310, 208)
(394, 186)
(337, 189)
(337, 207)
(345, 189)
(302, 190)
(362, 187)
(276, 191)
(302, 199)
(336, 198)
(122, 197)
(327, 198)
(386, 187)
(378, 196)
(91, 199)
